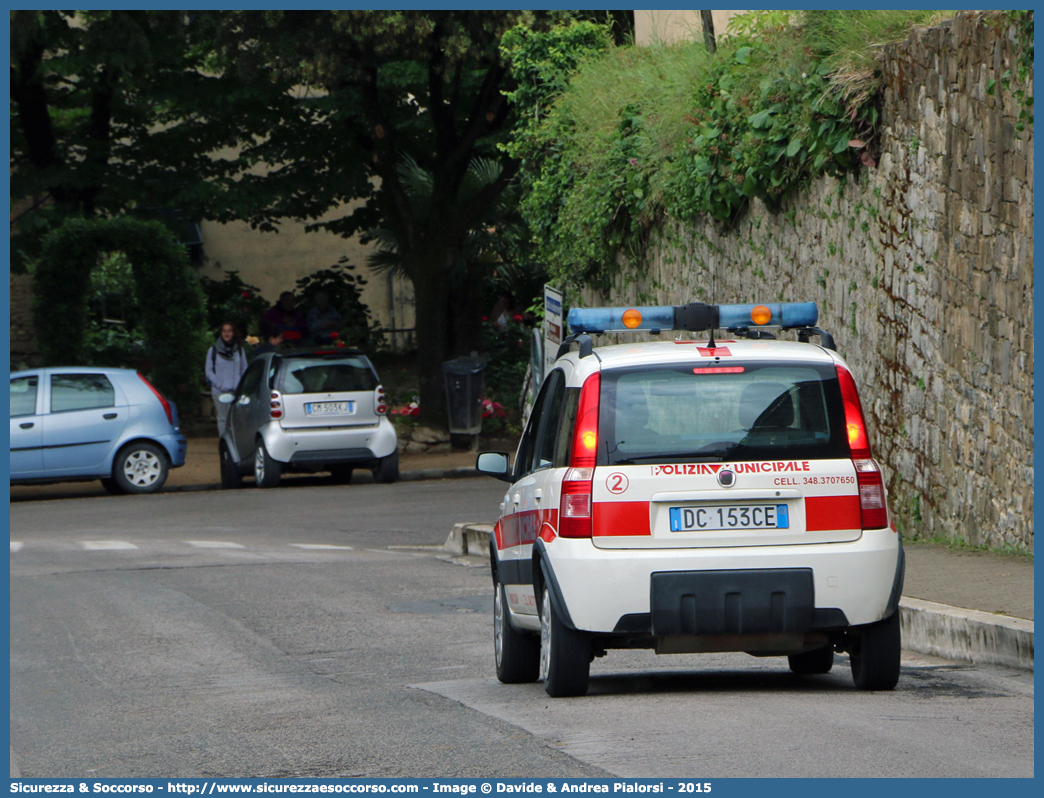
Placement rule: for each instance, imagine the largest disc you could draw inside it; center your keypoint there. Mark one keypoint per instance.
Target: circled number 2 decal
(616, 482)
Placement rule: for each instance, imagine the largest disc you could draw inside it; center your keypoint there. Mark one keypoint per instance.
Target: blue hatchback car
(79, 423)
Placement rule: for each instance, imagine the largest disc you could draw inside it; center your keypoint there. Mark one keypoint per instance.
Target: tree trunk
(431, 287)
(466, 311)
(708, 31)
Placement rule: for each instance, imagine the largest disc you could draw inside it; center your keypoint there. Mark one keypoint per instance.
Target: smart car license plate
(727, 516)
(329, 408)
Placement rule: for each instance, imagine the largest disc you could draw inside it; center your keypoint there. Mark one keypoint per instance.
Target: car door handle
(110, 416)
(538, 494)
(515, 499)
(26, 425)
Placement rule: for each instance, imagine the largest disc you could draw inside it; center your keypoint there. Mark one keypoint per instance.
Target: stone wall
(923, 270)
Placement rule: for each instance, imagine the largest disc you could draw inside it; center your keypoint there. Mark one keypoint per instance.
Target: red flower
(245, 294)
(340, 344)
(335, 335)
(291, 335)
(517, 317)
(484, 319)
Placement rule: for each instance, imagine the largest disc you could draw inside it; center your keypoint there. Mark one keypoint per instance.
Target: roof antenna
(710, 343)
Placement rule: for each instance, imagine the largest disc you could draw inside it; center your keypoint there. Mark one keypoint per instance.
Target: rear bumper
(331, 445)
(176, 447)
(601, 587)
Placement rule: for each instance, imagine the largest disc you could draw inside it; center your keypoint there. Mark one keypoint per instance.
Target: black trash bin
(463, 377)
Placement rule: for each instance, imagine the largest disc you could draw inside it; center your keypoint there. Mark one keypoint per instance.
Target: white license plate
(329, 408)
(728, 516)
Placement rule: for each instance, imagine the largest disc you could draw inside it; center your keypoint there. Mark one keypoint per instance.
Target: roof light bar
(693, 317)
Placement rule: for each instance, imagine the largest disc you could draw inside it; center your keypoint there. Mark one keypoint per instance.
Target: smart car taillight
(276, 405)
(872, 505)
(161, 397)
(574, 515)
(380, 404)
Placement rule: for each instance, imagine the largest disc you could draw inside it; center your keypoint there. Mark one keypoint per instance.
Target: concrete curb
(927, 627)
(362, 478)
(971, 635)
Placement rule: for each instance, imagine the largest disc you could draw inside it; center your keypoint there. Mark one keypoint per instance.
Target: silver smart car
(308, 411)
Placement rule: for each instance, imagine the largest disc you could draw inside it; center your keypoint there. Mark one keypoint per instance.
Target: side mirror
(494, 464)
(227, 398)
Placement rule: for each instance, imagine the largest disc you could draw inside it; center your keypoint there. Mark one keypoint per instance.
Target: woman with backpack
(226, 362)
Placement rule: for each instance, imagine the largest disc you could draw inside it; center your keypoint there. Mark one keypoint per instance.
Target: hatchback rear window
(315, 375)
(730, 412)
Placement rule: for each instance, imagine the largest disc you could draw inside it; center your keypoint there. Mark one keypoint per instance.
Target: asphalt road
(318, 631)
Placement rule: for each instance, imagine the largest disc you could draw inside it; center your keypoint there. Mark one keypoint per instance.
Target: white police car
(695, 496)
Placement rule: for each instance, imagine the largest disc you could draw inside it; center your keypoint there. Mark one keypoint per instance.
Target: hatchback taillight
(161, 397)
(872, 506)
(380, 404)
(574, 514)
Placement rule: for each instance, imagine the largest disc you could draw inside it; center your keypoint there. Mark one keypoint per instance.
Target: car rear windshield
(722, 413)
(326, 375)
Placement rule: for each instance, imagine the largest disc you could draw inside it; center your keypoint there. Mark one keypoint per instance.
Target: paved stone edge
(971, 635)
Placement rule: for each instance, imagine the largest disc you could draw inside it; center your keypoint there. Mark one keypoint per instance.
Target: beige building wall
(664, 27)
(275, 261)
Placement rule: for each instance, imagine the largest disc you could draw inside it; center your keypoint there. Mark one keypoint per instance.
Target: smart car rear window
(725, 413)
(324, 375)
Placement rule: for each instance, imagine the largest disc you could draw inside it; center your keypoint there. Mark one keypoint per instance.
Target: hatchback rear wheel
(140, 467)
(875, 653)
(565, 654)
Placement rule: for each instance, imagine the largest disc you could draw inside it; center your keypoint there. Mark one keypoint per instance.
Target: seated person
(271, 337)
(287, 317)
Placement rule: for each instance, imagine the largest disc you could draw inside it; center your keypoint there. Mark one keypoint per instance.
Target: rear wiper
(704, 454)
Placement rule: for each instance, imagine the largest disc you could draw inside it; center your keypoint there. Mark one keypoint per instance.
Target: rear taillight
(585, 434)
(275, 405)
(380, 404)
(161, 397)
(872, 505)
(574, 516)
(855, 426)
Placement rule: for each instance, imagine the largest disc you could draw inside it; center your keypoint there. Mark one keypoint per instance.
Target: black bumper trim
(334, 456)
(762, 601)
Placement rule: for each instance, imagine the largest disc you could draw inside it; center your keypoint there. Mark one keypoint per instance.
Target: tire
(517, 653)
(819, 660)
(230, 476)
(341, 475)
(266, 470)
(874, 654)
(387, 468)
(565, 654)
(140, 468)
(112, 486)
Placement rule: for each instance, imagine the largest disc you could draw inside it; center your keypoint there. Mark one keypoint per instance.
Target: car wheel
(820, 660)
(140, 468)
(874, 654)
(387, 468)
(565, 654)
(517, 653)
(342, 475)
(230, 476)
(112, 486)
(266, 470)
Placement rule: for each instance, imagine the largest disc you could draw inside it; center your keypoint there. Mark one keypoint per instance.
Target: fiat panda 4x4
(695, 496)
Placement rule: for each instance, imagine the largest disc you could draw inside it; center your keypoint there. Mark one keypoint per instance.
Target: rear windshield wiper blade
(692, 457)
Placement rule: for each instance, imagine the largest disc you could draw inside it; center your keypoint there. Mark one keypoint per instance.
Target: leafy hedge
(168, 293)
(638, 136)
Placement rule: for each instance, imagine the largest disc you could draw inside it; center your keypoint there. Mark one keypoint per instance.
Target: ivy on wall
(168, 292)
